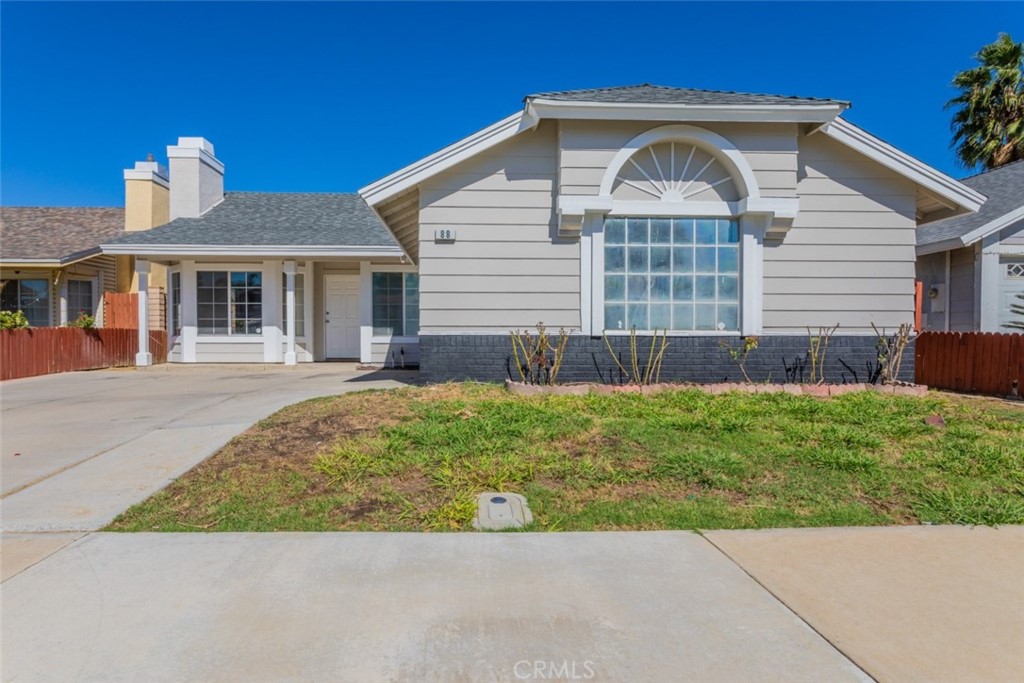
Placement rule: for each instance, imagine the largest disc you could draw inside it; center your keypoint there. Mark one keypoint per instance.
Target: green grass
(414, 459)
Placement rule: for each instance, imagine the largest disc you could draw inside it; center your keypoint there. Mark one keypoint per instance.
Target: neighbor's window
(300, 304)
(80, 299)
(175, 307)
(31, 297)
(671, 273)
(396, 304)
(230, 302)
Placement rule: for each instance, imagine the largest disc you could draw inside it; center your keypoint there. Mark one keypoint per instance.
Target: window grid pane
(31, 297)
(679, 273)
(175, 304)
(80, 299)
(229, 302)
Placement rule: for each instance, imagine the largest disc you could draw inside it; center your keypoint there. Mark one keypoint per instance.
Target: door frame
(326, 277)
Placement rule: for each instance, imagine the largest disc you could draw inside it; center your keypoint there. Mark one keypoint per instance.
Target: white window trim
(172, 338)
(756, 216)
(51, 290)
(366, 336)
(262, 269)
(751, 276)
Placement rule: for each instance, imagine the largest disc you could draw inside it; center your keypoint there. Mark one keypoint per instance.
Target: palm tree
(988, 118)
(1018, 310)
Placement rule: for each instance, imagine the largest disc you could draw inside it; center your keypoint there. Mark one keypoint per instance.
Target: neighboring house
(50, 261)
(714, 215)
(972, 267)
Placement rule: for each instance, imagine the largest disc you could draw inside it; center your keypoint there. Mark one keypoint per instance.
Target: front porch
(286, 310)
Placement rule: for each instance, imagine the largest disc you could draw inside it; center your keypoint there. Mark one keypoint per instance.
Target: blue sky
(331, 96)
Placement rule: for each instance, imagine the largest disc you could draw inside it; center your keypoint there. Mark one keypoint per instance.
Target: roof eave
(269, 250)
(401, 180)
(50, 261)
(542, 108)
(966, 199)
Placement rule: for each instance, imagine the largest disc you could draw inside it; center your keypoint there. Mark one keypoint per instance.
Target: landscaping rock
(818, 390)
(935, 421)
(794, 389)
(840, 389)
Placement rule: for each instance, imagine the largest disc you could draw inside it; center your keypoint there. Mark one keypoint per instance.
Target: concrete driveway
(79, 448)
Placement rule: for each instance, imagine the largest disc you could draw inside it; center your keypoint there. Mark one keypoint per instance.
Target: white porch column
(189, 312)
(365, 312)
(143, 357)
(986, 288)
(289, 302)
(752, 231)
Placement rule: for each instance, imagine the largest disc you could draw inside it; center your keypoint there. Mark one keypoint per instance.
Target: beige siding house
(51, 267)
(712, 215)
(972, 267)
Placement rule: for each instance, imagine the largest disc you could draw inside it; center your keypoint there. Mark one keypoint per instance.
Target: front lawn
(413, 459)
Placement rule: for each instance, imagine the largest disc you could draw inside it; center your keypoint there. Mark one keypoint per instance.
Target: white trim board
(274, 251)
(415, 173)
(947, 188)
(541, 108)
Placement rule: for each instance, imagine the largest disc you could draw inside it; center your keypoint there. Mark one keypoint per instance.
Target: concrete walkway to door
(79, 448)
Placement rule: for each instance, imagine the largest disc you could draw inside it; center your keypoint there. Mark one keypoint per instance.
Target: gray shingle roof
(647, 93)
(56, 233)
(274, 218)
(1004, 188)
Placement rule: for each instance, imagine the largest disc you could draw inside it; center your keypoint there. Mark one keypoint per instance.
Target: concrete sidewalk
(658, 606)
(929, 604)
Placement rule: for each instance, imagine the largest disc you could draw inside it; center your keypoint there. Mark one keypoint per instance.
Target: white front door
(341, 316)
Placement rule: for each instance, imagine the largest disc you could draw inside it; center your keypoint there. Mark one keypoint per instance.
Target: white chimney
(197, 178)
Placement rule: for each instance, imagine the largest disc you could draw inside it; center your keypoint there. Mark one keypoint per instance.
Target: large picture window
(396, 304)
(671, 273)
(230, 302)
(31, 297)
(300, 304)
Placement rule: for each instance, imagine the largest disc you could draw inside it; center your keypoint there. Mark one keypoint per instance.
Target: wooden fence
(121, 310)
(45, 350)
(972, 362)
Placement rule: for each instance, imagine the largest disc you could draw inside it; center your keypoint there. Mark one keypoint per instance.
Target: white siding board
(864, 285)
(528, 284)
(502, 251)
(501, 207)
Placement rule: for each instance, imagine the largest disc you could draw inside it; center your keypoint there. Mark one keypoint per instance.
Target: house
(51, 265)
(972, 266)
(714, 215)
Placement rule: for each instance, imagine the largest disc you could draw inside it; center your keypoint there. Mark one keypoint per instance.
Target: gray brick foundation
(778, 359)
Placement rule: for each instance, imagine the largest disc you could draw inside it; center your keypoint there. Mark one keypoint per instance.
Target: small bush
(83, 321)
(13, 320)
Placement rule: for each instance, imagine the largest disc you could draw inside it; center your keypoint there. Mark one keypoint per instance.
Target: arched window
(674, 237)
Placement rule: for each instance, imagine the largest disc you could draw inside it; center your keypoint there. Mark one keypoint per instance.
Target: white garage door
(1011, 283)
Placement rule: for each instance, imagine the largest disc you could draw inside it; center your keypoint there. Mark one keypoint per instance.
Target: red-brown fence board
(972, 362)
(46, 350)
(121, 310)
